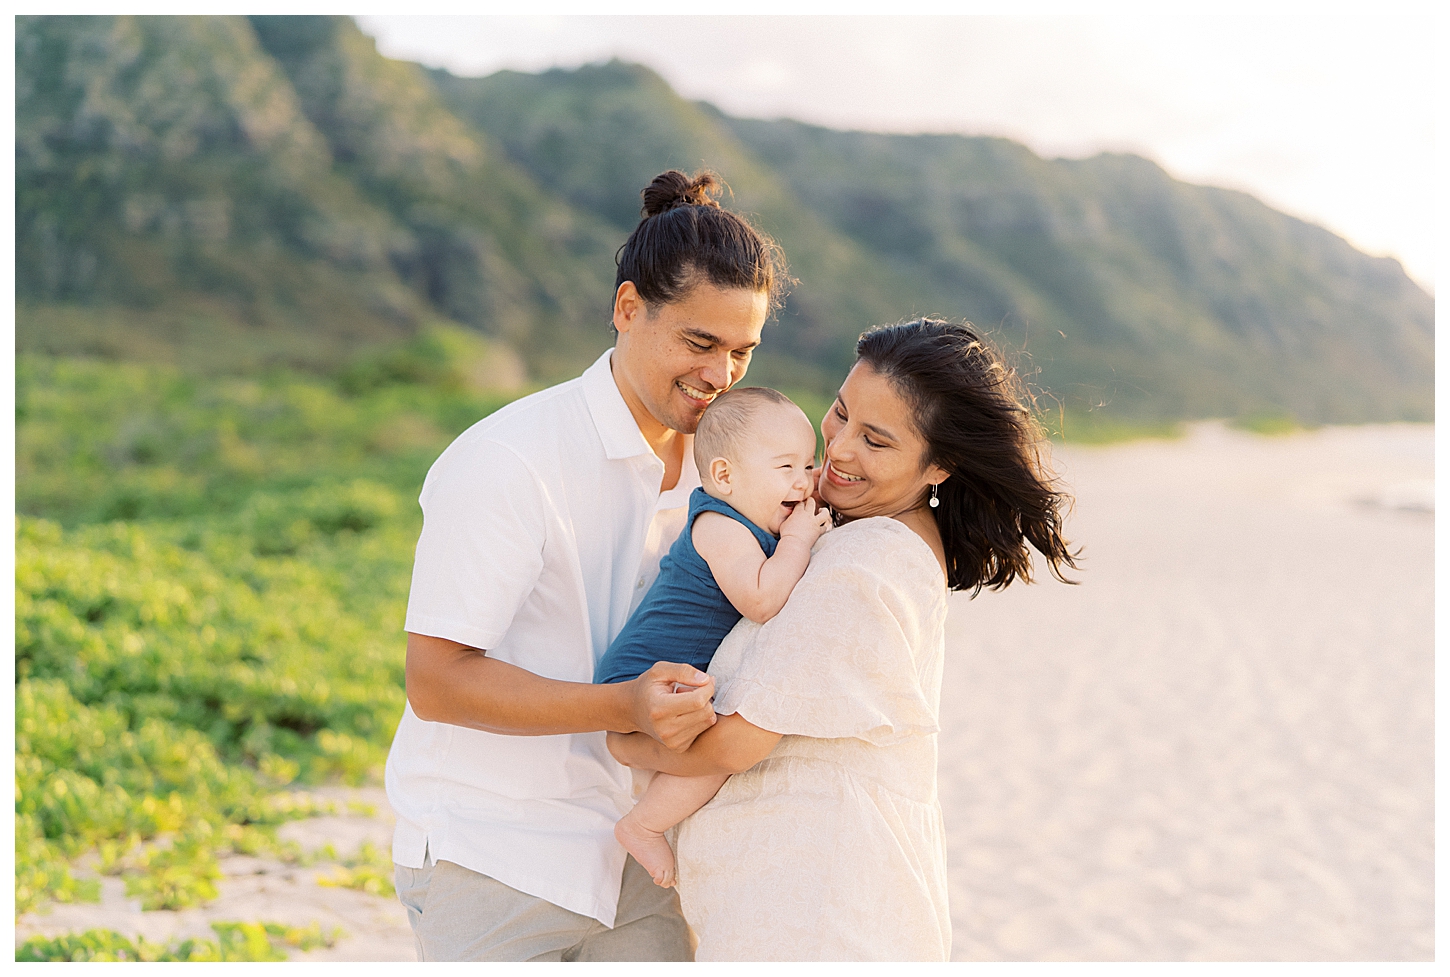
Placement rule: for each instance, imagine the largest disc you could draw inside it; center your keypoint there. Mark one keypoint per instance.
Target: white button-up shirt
(543, 526)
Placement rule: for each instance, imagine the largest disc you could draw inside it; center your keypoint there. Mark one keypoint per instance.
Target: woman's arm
(731, 746)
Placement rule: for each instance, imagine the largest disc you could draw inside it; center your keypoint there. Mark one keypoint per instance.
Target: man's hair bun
(673, 189)
(685, 237)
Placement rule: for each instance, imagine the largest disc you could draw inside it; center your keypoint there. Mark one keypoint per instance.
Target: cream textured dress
(832, 847)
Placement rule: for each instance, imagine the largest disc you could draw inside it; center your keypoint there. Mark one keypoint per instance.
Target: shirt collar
(616, 425)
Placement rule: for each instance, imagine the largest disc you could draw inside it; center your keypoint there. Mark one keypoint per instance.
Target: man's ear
(629, 307)
(719, 470)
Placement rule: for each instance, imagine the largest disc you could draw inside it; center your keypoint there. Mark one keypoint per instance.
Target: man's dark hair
(685, 237)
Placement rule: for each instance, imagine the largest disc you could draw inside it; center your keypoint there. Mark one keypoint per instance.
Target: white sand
(1218, 747)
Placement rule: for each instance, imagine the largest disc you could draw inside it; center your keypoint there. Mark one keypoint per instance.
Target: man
(543, 527)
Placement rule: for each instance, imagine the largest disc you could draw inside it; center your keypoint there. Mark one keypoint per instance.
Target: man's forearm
(448, 682)
(451, 683)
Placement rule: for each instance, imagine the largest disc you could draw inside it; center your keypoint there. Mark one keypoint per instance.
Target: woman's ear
(935, 474)
(719, 469)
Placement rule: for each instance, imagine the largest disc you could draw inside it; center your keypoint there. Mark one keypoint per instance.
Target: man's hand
(806, 522)
(673, 718)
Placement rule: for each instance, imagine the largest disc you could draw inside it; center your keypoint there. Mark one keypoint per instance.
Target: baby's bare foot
(649, 848)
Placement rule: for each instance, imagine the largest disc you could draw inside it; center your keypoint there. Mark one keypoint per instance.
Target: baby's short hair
(726, 419)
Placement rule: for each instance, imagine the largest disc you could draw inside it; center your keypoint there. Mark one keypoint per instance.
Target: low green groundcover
(235, 941)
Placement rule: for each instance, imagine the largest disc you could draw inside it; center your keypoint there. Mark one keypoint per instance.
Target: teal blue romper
(685, 615)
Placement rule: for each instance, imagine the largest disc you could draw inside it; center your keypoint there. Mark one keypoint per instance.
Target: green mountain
(231, 192)
(276, 190)
(565, 127)
(1121, 281)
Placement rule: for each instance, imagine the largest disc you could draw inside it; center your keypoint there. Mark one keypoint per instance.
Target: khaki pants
(458, 914)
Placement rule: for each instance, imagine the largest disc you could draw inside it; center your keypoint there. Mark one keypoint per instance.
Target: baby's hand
(807, 522)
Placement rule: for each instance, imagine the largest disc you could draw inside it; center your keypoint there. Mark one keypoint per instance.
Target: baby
(747, 540)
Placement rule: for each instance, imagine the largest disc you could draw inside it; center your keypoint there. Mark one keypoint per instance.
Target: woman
(828, 844)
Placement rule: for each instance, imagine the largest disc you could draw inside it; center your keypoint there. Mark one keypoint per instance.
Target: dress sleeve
(843, 657)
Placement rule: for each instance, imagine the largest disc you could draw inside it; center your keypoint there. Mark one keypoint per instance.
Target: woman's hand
(731, 746)
(630, 748)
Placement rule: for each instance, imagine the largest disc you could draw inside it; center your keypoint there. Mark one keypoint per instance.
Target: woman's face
(874, 453)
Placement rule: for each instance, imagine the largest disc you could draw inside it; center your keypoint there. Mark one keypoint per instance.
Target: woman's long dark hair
(969, 408)
(684, 236)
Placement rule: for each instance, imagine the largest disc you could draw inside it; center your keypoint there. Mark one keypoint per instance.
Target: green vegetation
(370, 870)
(98, 441)
(210, 582)
(234, 942)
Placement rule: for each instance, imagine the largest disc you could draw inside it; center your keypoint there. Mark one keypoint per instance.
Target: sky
(1328, 118)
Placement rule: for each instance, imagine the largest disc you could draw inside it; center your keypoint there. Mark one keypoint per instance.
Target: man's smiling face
(672, 359)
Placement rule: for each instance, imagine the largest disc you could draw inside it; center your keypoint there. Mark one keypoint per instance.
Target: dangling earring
(933, 502)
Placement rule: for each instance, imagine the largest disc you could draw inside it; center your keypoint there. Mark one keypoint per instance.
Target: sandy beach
(1219, 746)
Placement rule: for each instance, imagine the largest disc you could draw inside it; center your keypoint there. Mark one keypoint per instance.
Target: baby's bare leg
(666, 802)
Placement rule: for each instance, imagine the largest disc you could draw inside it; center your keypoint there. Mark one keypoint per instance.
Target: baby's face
(773, 466)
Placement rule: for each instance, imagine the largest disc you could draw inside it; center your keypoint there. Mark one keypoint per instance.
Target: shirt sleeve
(842, 657)
(481, 551)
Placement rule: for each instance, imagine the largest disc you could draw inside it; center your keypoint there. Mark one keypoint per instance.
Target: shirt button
(640, 584)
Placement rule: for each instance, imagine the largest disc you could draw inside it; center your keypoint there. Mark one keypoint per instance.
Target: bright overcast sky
(1331, 119)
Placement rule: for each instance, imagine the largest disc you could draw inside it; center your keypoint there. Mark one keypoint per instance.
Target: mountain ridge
(233, 192)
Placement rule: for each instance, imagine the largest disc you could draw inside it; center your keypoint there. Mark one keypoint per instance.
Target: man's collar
(616, 425)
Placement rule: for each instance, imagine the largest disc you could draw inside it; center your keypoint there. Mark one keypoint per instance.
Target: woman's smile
(841, 478)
